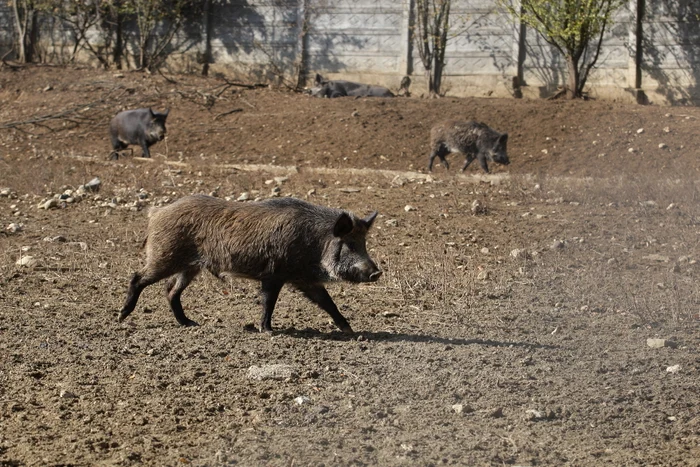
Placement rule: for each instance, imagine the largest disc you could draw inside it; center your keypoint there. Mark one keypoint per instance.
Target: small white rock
(640, 131)
(27, 261)
(663, 146)
(302, 400)
(409, 208)
(673, 369)
(245, 196)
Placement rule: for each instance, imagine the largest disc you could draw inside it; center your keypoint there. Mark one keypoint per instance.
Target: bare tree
(158, 22)
(430, 36)
(574, 27)
(25, 14)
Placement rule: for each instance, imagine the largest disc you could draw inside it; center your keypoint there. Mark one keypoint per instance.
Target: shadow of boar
(141, 126)
(472, 139)
(340, 88)
(276, 241)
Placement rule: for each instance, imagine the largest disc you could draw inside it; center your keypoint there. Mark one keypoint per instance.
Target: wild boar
(276, 241)
(472, 139)
(341, 88)
(141, 126)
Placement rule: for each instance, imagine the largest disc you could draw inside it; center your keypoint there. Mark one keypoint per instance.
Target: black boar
(340, 88)
(472, 139)
(275, 241)
(141, 126)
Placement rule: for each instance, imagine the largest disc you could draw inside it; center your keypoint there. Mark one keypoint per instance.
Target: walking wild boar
(472, 139)
(276, 241)
(141, 126)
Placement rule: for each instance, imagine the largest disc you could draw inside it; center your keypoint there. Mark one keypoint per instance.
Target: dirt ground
(514, 336)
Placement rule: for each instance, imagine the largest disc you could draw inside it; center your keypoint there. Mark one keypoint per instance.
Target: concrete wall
(369, 41)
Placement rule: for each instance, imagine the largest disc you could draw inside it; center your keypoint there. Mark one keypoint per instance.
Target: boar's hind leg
(174, 288)
(440, 151)
(270, 291)
(319, 295)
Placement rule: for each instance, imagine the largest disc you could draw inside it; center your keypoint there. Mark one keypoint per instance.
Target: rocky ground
(545, 314)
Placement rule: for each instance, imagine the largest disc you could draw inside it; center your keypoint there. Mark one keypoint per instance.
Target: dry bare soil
(516, 336)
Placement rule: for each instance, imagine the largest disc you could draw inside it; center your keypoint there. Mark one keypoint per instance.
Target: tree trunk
(21, 55)
(572, 87)
(207, 37)
(118, 41)
(32, 40)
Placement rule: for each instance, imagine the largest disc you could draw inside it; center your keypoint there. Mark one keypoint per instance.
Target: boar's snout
(365, 271)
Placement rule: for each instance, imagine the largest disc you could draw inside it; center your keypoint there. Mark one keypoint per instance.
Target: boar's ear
(153, 114)
(503, 139)
(165, 114)
(343, 225)
(369, 220)
(319, 79)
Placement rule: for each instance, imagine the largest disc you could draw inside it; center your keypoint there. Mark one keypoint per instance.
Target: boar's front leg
(319, 295)
(484, 164)
(144, 147)
(470, 159)
(270, 291)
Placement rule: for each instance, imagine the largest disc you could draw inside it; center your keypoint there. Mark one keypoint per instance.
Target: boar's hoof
(188, 323)
(347, 330)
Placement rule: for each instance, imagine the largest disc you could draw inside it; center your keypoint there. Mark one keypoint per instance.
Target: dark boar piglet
(342, 88)
(141, 126)
(276, 241)
(472, 139)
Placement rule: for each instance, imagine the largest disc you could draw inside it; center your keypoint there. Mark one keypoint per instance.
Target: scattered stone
(656, 257)
(269, 182)
(245, 196)
(484, 251)
(355, 113)
(673, 369)
(390, 314)
(496, 413)
(649, 204)
(483, 276)
(660, 343)
(278, 371)
(275, 192)
(26, 261)
(535, 415)
(93, 186)
(519, 253)
(5, 192)
(349, 190)
(14, 228)
(302, 400)
(640, 131)
(66, 394)
(311, 192)
(409, 208)
(478, 207)
(663, 145)
(281, 180)
(557, 245)
(49, 204)
(670, 206)
(630, 150)
(676, 269)
(391, 223)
